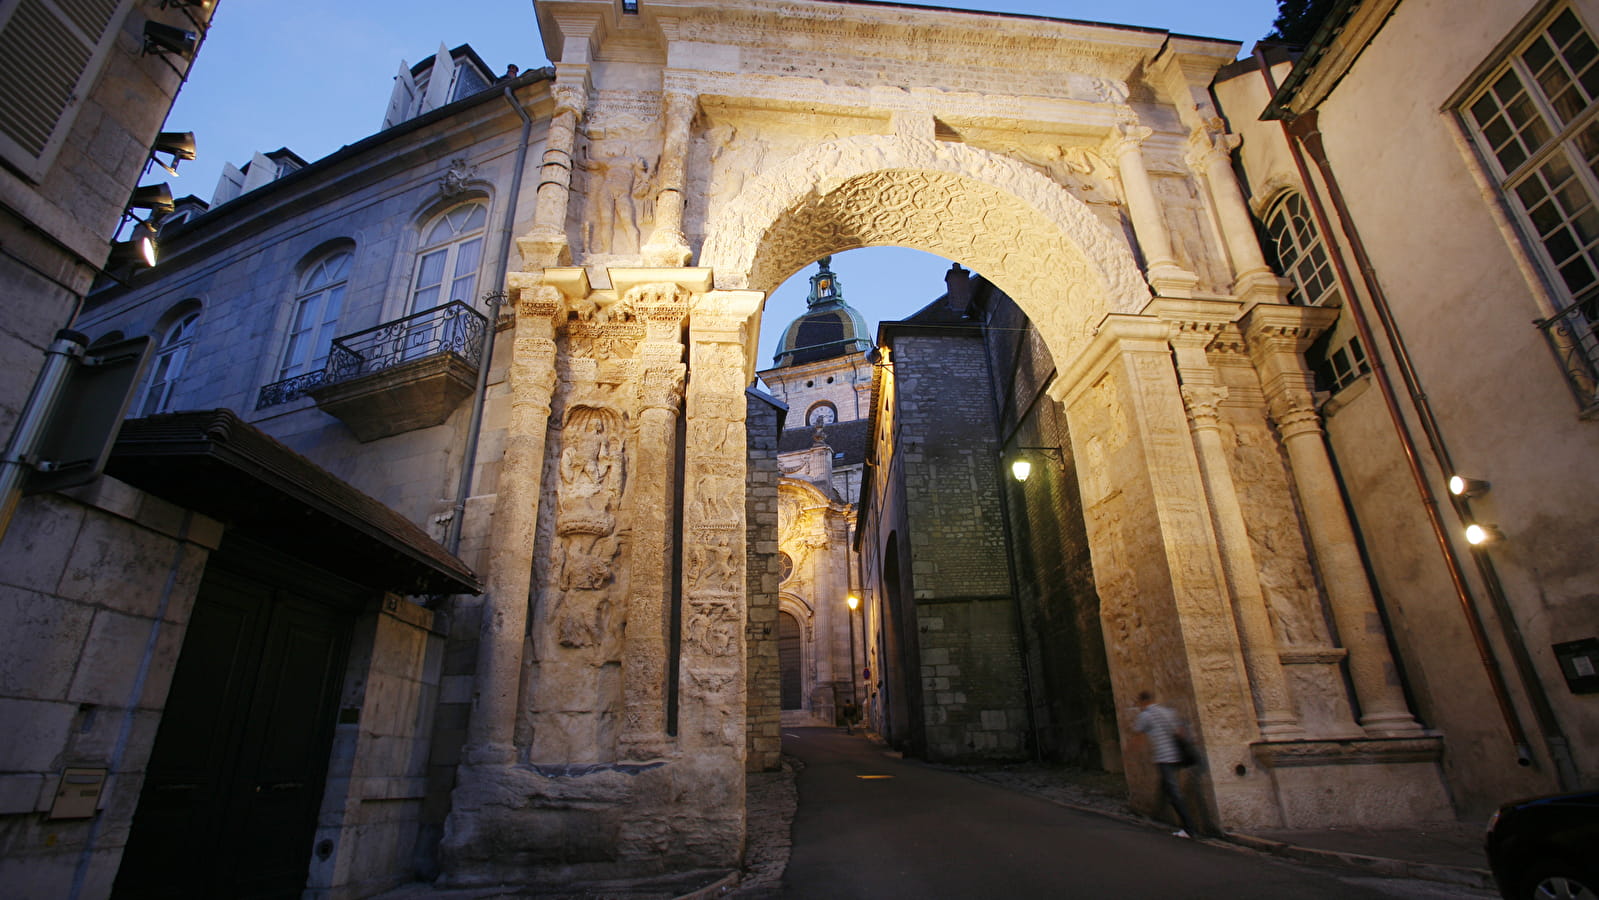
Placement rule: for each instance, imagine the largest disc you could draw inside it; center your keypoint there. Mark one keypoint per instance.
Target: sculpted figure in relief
(618, 185)
(591, 481)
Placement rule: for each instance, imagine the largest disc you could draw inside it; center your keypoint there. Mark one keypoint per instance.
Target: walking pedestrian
(1166, 735)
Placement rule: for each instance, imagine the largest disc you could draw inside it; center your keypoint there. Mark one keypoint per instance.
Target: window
(167, 367)
(1301, 255)
(447, 264)
(1337, 363)
(316, 316)
(1536, 123)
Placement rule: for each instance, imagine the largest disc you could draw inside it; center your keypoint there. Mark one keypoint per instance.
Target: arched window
(316, 315)
(168, 365)
(448, 261)
(1301, 253)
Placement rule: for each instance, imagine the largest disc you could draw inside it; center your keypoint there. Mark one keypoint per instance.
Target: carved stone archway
(607, 734)
(1021, 230)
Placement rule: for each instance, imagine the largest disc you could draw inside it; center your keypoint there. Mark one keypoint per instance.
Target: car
(1546, 848)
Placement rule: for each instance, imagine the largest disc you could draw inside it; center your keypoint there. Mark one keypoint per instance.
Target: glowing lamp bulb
(1020, 469)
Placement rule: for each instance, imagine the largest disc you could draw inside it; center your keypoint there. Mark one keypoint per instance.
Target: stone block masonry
(764, 737)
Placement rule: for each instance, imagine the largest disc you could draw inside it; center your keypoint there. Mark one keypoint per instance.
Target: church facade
(471, 399)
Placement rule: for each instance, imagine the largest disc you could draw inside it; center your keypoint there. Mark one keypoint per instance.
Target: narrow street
(870, 825)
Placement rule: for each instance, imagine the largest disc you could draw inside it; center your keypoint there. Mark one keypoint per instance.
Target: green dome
(829, 328)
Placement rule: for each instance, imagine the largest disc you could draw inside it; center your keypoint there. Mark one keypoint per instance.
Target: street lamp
(1021, 467)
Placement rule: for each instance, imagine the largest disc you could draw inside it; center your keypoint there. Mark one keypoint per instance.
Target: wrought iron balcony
(1573, 333)
(401, 375)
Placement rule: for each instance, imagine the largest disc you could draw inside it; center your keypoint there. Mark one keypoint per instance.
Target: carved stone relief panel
(618, 161)
(1192, 236)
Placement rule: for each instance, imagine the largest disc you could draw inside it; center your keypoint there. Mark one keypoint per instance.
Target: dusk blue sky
(268, 77)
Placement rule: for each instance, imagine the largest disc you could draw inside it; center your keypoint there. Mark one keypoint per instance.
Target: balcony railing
(1573, 333)
(454, 328)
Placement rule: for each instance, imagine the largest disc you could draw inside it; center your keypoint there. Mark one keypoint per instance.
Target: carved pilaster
(546, 244)
(667, 246)
(713, 684)
(662, 308)
(1202, 398)
(1277, 336)
(1165, 275)
(531, 379)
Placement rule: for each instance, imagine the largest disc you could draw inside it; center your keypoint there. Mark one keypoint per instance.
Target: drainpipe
(17, 459)
(1300, 133)
(452, 537)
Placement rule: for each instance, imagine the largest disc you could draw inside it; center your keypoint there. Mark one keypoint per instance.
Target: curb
(1399, 868)
(1403, 868)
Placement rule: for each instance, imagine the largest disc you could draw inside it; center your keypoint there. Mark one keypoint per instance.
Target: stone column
(1277, 337)
(1210, 153)
(1168, 624)
(1165, 275)
(667, 246)
(712, 685)
(531, 379)
(647, 638)
(546, 243)
(1203, 396)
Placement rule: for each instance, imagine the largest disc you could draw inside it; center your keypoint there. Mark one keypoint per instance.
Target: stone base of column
(1261, 286)
(667, 249)
(1172, 281)
(544, 248)
(1384, 783)
(1394, 724)
(569, 827)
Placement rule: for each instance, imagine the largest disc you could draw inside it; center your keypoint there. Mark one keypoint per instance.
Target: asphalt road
(872, 826)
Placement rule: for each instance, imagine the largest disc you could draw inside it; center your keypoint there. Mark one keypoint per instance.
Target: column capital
(1211, 144)
(1203, 403)
(1294, 411)
(1128, 137)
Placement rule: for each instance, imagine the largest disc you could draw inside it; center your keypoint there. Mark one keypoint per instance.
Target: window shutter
(54, 47)
(401, 99)
(439, 82)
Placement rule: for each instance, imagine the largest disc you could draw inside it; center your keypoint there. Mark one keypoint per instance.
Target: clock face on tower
(822, 415)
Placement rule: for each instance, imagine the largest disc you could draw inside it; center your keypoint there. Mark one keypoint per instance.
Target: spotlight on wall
(853, 601)
(178, 144)
(1461, 486)
(157, 198)
(138, 251)
(1483, 535)
(160, 38)
(1020, 469)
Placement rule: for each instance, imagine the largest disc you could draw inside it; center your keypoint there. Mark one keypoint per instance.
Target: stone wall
(1074, 712)
(764, 733)
(973, 694)
(369, 836)
(95, 593)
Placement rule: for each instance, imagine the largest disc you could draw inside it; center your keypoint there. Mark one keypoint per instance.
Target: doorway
(790, 659)
(235, 779)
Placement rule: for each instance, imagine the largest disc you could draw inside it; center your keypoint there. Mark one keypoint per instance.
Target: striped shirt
(1161, 725)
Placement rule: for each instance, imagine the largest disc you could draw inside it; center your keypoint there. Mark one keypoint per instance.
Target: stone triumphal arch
(701, 151)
